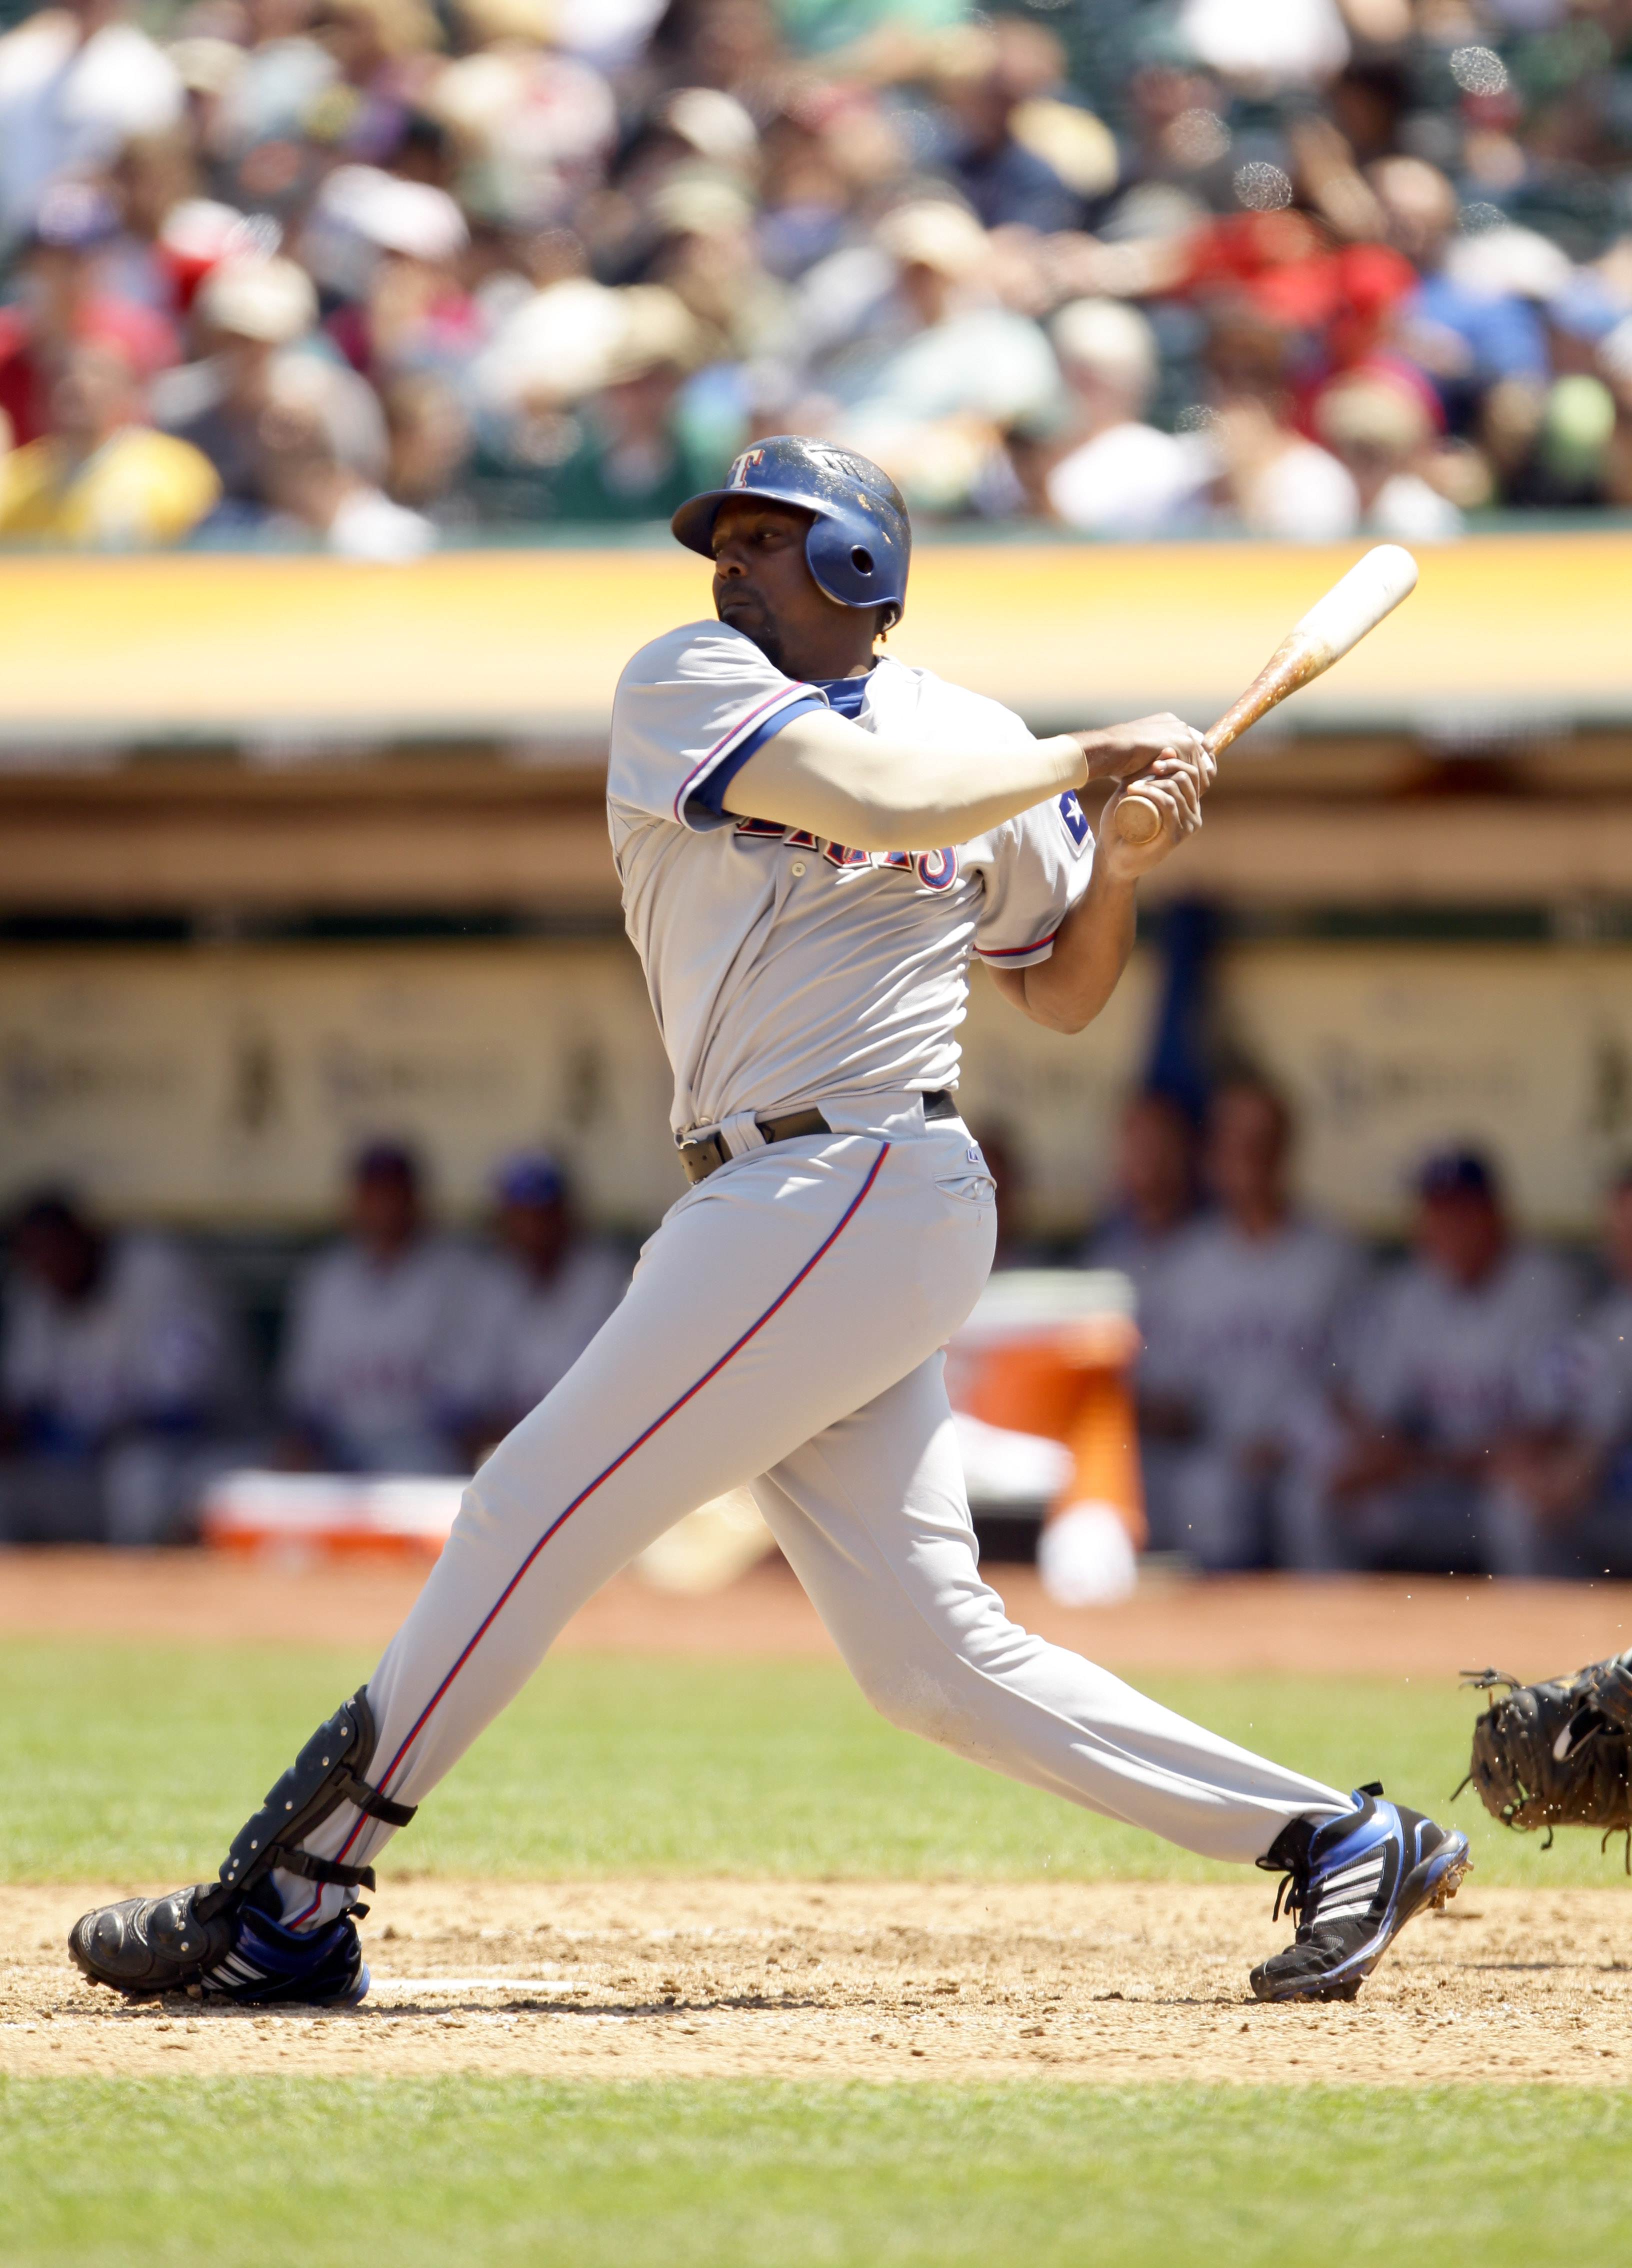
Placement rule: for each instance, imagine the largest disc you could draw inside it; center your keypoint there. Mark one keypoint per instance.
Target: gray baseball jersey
(1248, 1329)
(1462, 1365)
(1600, 1388)
(532, 1333)
(1587, 1384)
(783, 970)
(149, 1343)
(383, 1360)
(1147, 1260)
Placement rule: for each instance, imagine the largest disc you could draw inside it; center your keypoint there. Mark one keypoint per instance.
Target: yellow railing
(526, 643)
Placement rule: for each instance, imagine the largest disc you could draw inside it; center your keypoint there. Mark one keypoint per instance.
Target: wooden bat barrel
(1356, 603)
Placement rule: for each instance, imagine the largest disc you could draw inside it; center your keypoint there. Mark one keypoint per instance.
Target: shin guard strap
(377, 1806)
(324, 1870)
(328, 1771)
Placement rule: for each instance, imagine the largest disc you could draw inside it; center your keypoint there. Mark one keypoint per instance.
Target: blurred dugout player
(382, 1364)
(546, 1297)
(1155, 1197)
(1154, 1202)
(1564, 1501)
(1449, 1381)
(1241, 1344)
(120, 1378)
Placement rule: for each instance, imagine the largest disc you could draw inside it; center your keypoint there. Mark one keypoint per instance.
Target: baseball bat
(1355, 604)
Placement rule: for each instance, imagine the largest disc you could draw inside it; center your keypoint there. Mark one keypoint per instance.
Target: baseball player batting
(813, 839)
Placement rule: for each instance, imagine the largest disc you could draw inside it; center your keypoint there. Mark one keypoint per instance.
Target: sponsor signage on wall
(228, 1085)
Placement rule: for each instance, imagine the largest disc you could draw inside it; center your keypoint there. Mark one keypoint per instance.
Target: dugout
(293, 852)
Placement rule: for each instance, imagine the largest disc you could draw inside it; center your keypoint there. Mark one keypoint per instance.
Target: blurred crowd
(1466, 1406)
(127, 1381)
(376, 274)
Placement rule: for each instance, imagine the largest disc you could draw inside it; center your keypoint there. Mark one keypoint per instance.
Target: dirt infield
(1103, 1982)
(1118, 1983)
(1404, 1626)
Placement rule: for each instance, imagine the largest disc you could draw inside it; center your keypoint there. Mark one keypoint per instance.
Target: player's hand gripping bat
(1354, 605)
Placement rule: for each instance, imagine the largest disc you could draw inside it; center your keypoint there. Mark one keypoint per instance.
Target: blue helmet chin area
(859, 544)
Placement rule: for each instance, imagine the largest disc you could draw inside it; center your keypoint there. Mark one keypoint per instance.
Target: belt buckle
(704, 1156)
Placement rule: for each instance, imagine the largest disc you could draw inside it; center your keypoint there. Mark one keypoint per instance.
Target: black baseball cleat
(1353, 1884)
(226, 1939)
(242, 1952)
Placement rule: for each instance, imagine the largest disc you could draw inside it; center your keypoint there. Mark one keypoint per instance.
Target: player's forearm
(872, 793)
(1067, 991)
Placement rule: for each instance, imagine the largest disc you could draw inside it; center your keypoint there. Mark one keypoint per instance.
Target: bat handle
(1138, 820)
(1299, 656)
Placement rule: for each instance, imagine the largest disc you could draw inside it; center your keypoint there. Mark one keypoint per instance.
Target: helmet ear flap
(845, 569)
(856, 565)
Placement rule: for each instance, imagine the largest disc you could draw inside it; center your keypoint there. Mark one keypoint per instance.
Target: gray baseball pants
(786, 1322)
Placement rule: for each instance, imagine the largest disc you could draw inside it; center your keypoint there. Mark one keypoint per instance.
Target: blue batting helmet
(859, 545)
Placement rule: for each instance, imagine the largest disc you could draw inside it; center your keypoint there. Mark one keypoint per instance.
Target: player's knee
(926, 1697)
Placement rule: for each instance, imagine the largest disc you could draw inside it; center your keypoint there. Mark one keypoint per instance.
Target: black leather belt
(708, 1152)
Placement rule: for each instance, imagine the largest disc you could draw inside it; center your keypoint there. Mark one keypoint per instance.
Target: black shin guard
(328, 1773)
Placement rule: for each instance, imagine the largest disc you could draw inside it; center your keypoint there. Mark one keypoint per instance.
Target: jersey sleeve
(1038, 868)
(690, 707)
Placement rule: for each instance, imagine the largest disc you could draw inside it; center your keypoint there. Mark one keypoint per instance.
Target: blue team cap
(386, 1161)
(1456, 1174)
(531, 1177)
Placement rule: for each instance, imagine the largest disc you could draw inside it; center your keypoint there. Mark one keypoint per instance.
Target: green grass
(138, 1763)
(734, 2175)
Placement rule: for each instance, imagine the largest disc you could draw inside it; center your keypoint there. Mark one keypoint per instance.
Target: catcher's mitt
(1557, 1754)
